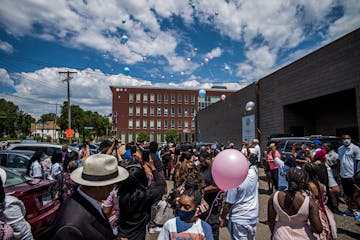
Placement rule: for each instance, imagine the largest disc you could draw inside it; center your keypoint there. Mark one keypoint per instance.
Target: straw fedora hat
(99, 170)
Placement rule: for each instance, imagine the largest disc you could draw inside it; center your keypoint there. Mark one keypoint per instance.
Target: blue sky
(243, 41)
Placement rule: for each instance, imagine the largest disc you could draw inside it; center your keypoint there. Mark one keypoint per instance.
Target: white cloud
(89, 88)
(6, 47)
(5, 78)
(216, 52)
(348, 22)
(262, 28)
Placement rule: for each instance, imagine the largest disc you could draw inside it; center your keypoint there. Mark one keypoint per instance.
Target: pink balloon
(223, 97)
(229, 169)
(206, 60)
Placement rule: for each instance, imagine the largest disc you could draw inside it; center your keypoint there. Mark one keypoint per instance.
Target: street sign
(69, 133)
(77, 135)
(88, 128)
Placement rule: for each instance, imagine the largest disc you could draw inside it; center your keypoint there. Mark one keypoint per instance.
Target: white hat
(99, 170)
(255, 140)
(3, 175)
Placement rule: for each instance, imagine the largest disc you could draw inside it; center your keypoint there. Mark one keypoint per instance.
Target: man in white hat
(81, 216)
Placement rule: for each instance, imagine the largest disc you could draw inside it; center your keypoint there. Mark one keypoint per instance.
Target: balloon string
(212, 75)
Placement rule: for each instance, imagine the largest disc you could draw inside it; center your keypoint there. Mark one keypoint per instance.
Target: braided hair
(295, 178)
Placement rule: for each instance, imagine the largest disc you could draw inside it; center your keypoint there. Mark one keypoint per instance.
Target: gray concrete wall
(330, 69)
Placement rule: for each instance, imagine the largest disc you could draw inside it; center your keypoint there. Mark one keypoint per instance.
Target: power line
(40, 82)
(32, 99)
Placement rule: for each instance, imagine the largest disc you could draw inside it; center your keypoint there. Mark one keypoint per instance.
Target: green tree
(14, 122)
(81, 118)
(172, 136)
(143, 136)
(46, 117)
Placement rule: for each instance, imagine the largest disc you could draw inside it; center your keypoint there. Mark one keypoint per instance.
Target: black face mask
(185, 215)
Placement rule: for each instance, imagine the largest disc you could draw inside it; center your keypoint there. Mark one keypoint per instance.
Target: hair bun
(293, 186)
(190, 184)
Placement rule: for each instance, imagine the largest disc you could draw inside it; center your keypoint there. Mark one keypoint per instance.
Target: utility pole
(67, 79)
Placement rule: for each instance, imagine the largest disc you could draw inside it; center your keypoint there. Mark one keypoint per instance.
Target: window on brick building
(186, 99)
(186, 124)
(130, 123)
(172, 124)
(138, 97)
(166, 98)
(172, 111)
(137, 124)
(131, 111)
(172, 98)
(152, 111)
(144, 124)
(152, 124)
(145, 97)
(152, 98)
(179, 98)
(159, 111)
(158, 124)
(137, 110)
(131, 97)
(192, 99)
(165, 111)
(179, 111)
(179, 124)
(192, 112)
(145, 111)
(165, 123)
(186, 112)
(193, 124)
(158, 98)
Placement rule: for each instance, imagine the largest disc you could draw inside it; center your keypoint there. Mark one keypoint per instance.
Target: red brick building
(157, 110)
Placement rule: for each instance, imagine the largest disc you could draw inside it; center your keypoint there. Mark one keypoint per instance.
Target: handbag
(164, 212)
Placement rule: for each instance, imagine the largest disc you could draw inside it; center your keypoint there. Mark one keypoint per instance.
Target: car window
(16, 161)
(47, 150)
(13, 178)
(24, 148)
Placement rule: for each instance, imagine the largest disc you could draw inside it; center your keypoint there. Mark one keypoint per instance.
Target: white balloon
(249, 106)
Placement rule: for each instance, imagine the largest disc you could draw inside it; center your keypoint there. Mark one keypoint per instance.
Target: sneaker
(348, 212)
(357, 216)
(154, 230)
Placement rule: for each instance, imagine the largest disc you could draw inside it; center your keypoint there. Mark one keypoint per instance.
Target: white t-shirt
(35, 169)
(332, 181)
(175, 229)
(245, 200)
(257, 151)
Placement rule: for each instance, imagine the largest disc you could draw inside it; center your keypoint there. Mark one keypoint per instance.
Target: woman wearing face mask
(34, 168)
(187, 225)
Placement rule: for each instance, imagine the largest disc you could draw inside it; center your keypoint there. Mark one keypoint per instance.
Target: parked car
(93, 148)
(284, 144)
(47, 148)
(39, 197)
(15, 160)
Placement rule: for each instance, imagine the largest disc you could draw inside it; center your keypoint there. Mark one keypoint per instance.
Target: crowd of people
(122, 192)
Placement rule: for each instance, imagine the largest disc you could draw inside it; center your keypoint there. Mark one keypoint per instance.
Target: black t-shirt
(209, 180)
(166, 157)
